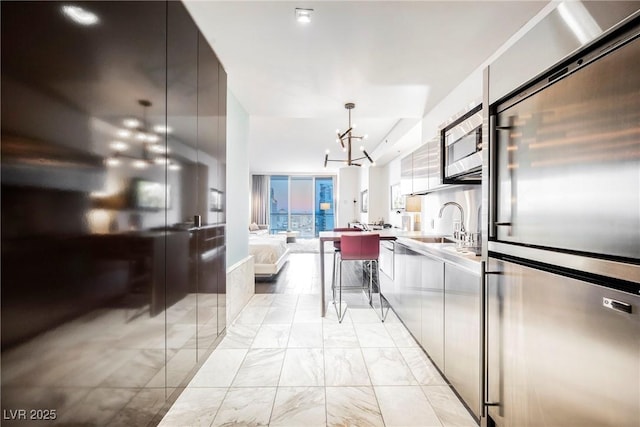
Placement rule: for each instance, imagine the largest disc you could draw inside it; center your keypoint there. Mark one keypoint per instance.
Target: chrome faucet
(462, 230)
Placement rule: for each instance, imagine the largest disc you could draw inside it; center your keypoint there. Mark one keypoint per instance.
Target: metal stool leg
(383, 314)
(370, 281)
(376, 271)
(340, 312)
(333, 278)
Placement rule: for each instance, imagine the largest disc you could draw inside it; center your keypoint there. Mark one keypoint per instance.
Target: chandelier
(345, 140)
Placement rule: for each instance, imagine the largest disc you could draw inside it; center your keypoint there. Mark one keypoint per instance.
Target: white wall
(348, 192)
(379, 194)
(238, 185)
(364, 185)
(465, 96)
(352, 181)
(392, 172)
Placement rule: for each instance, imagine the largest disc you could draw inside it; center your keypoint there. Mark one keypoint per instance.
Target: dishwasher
(387, 250)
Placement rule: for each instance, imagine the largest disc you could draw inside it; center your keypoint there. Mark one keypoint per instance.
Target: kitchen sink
(433, 239)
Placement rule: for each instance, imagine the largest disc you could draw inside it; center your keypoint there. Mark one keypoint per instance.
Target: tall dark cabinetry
(111, 292)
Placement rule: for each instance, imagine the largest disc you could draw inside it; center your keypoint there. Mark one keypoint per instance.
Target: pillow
(254, 227)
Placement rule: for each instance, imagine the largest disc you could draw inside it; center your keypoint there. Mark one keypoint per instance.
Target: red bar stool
(358, 247)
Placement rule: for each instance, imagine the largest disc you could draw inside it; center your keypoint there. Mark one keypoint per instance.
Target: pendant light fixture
(345, 140)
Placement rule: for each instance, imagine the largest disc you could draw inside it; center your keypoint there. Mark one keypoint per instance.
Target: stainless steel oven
(461, 144)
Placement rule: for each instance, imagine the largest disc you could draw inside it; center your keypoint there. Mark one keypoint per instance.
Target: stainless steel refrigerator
(562, 307)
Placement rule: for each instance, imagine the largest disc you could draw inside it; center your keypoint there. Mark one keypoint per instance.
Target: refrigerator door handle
(486, 399)
(617, 305)
(490, 400)
(493, 186)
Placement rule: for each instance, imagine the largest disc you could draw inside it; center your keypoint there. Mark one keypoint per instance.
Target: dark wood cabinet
(97, 215)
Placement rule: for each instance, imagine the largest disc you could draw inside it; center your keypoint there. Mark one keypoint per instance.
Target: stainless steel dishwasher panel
(411, 294)
(432, 335)
(387, 249)
(561, 352)
(462, 311)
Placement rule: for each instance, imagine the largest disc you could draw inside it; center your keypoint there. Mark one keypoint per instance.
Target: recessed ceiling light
(123, 133)
(80, 15)
(303, 15)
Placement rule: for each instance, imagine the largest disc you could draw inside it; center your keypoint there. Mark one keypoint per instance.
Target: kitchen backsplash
(468, 196)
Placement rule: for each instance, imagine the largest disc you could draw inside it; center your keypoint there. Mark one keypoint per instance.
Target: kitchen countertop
(445, 251)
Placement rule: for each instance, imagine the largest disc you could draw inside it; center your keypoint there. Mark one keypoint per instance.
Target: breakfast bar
(334, 236)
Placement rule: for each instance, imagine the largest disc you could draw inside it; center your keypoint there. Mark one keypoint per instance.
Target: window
(302, 206)
(325, 206)
(279, 204)
(301, 203)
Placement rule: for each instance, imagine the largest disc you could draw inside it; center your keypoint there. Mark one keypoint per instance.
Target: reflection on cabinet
(209, 256)
(420, 168)
(406, 175)
(117, 281)
(421, 171)
(435, 165)
(163, 283)
(182, 117)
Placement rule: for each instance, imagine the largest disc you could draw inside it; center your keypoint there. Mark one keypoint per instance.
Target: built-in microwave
(461, 145)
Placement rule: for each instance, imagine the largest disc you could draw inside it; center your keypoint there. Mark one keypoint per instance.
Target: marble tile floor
(107, 367)
(281, 364)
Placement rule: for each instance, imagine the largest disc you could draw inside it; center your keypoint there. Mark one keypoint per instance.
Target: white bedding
(267, 249)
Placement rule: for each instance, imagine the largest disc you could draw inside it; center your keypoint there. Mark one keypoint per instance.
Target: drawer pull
(617, 305)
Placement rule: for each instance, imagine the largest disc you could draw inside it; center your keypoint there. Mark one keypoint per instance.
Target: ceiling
(394, 59)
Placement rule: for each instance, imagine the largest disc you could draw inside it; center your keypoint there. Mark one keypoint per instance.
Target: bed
(270, 253)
